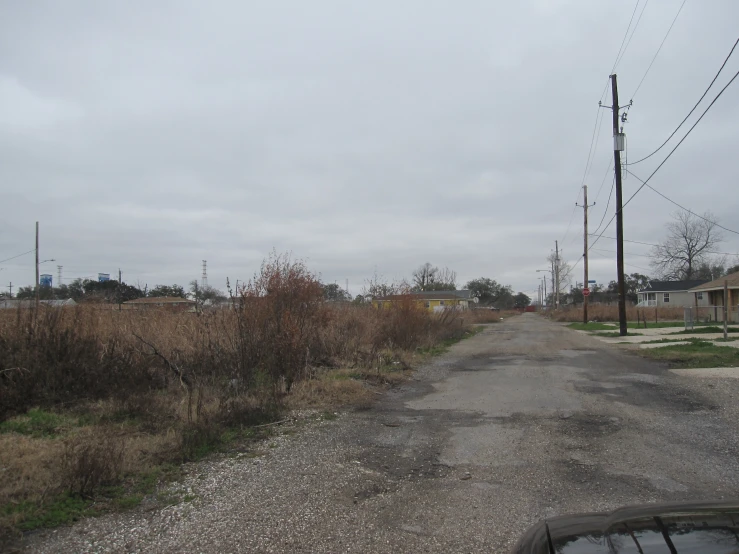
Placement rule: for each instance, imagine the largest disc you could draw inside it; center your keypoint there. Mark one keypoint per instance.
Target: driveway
(523, 421)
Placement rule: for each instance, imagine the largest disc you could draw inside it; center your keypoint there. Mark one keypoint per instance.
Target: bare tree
(428, 277)
(689, 242)
(424, 276)
(565, 271)
(377, 287)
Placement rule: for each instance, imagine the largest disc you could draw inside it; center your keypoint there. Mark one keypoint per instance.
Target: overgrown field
(97, 404)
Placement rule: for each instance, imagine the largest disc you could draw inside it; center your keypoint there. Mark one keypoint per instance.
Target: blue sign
(45, 280)
(592, 281)
(102, 277)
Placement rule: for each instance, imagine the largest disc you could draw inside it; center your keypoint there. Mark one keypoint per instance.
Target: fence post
(726, 309)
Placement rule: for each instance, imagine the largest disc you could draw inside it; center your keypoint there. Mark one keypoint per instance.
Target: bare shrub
(91, 459)
(53, 356)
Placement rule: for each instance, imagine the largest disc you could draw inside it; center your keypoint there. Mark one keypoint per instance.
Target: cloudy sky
(360, 136)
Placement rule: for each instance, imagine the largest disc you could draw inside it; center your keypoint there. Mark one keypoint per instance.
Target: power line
(632, 241)
(684, 208)
(572, 217)
(605, 212)
(602, 182)
(658, 49)
(621, 48)
(644, 183)
(594, 139)
(626, 254)
(18, 256)
(641, 13)
(652, 244)
(694, 107)
(625, 263)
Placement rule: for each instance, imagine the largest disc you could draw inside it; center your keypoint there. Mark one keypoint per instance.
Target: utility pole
(556, 271)
(585, 207)
(204, 278)
(119, 289)
(618, 146)
(10, 288)
(541, 297)
(58, 276)
(37, 275)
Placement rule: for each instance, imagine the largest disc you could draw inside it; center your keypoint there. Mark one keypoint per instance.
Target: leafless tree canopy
(565, 272)
(688, 245)
(428, 277)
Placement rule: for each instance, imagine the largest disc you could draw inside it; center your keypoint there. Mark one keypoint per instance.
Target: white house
(672, 294)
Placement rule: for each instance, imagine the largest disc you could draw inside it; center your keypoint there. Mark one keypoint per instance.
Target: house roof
(432, 295)
(718, 284)
(160, 300)
(672, 286)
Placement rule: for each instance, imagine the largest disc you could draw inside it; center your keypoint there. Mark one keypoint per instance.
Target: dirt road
(527, 419)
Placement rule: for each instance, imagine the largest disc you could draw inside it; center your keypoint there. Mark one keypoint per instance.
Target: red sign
(586, 291)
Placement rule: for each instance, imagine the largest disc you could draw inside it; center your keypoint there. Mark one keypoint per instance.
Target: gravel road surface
(525, 420)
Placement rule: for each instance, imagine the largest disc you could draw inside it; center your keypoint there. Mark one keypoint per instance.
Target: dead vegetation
(610, 313)
(94, 402)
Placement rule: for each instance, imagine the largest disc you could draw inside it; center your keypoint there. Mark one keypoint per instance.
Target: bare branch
(184, 380)
(688, 245)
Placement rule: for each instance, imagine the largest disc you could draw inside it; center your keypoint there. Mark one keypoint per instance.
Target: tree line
(428, 277)
(111, 291)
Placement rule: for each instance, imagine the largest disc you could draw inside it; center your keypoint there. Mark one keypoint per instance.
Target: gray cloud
(360, 136)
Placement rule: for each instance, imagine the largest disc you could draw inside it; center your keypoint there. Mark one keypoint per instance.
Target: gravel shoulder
(525, 420)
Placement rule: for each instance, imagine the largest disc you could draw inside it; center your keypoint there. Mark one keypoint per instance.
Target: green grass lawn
(707, 329)
(698, 353)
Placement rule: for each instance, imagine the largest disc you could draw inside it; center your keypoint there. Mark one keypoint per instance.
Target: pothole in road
(590, 425)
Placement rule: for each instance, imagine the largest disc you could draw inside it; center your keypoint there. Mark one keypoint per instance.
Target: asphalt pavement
(526, 420)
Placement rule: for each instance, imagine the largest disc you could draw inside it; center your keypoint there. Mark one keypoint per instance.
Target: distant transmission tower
(204, 279)
(59, 275)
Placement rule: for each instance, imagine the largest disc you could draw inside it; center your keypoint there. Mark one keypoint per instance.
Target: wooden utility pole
(554, 303)
(617, 147)
(37, 275)
(585, 252)
(119, 289)
(556, 271)
(10, 288)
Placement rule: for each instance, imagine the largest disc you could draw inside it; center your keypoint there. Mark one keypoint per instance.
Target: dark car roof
(687, 528)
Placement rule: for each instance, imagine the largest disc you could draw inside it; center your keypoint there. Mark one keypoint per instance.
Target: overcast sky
(360, 136)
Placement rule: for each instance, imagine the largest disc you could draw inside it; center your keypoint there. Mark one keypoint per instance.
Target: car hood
(684, 528)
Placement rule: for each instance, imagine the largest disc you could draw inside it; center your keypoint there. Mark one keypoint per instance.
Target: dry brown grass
(610, 313)
(333, 389)
(118, 394)
(30, 467)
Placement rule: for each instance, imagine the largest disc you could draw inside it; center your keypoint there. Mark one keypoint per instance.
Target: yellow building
(433, 301)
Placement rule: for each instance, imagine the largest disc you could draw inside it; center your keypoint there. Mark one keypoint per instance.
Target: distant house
(433, 301)
(671, 294)
(11, 303)
(173, 303)
(712, 292)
